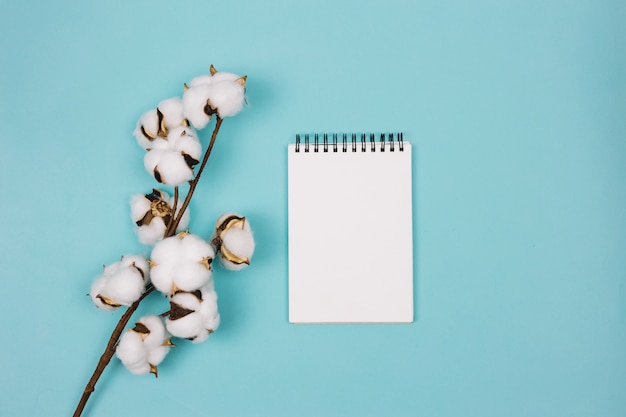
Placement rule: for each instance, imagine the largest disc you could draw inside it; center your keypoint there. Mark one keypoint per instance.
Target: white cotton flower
(144, 347)
(171, 160)
(227, 97)
(159, 121)
(233, 241)
(121, 283)
(181, 262)
(168, 167)
(193, 315)
(221, 92)
(151, 213)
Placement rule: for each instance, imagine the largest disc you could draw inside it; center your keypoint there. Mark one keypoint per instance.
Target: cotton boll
(121, 283)
(145, 346)
(168, 166)
(194, 105)
(171, 160)
(125, 287)
(156, 123)
(233, 241)
(172, 110)
(182, 261)
(193, 316)
(222, 92)
(227, 97)
(184, 320)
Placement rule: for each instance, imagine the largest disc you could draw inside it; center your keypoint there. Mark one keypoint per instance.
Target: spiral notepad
(350, 229)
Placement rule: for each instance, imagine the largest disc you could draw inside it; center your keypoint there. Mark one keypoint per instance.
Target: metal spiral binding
(388, 142)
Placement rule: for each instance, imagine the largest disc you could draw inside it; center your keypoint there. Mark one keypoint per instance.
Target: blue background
(516, 110)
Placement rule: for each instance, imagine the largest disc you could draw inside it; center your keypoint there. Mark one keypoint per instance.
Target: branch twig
(173, 208)
(119, 328)
(192, 184)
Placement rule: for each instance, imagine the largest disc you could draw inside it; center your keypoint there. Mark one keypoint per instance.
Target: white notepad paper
(350, 232)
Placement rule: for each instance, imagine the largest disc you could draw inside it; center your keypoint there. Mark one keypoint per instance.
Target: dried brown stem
(119, 328)
(173, 207)
(193, 183)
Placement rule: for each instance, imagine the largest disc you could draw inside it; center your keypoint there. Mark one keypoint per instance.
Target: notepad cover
(350, 235)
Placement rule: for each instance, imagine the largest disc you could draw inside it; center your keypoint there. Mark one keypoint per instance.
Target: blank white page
(350, 235)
